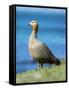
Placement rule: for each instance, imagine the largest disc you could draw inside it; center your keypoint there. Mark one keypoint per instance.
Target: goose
(38, 50)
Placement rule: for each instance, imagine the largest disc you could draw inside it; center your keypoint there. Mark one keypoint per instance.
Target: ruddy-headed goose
(38, 50)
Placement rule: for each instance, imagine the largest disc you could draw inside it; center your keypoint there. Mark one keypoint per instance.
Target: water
(51, 32)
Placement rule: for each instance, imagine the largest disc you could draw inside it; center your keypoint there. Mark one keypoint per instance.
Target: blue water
(51, 32)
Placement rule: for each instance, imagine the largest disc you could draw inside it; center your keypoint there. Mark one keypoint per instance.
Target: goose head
(34, 25)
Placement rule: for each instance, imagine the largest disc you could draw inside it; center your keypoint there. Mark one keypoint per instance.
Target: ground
(45, 74)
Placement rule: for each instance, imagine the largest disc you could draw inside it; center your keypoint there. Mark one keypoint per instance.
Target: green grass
(45, 74)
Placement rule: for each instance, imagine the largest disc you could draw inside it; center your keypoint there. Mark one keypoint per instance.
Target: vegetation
(45, 74)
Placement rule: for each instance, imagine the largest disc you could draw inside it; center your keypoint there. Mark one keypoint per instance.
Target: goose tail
(58, 62)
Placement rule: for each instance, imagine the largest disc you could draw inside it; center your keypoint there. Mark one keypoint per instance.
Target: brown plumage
(38, 50)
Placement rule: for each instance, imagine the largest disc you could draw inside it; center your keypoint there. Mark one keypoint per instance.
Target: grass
(45, 74)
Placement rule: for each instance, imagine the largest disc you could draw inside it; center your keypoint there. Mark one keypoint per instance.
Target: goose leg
(40, 65)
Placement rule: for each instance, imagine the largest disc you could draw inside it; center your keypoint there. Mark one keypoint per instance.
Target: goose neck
(33, 35)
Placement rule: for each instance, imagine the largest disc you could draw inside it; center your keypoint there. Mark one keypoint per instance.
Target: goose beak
(30, 24)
